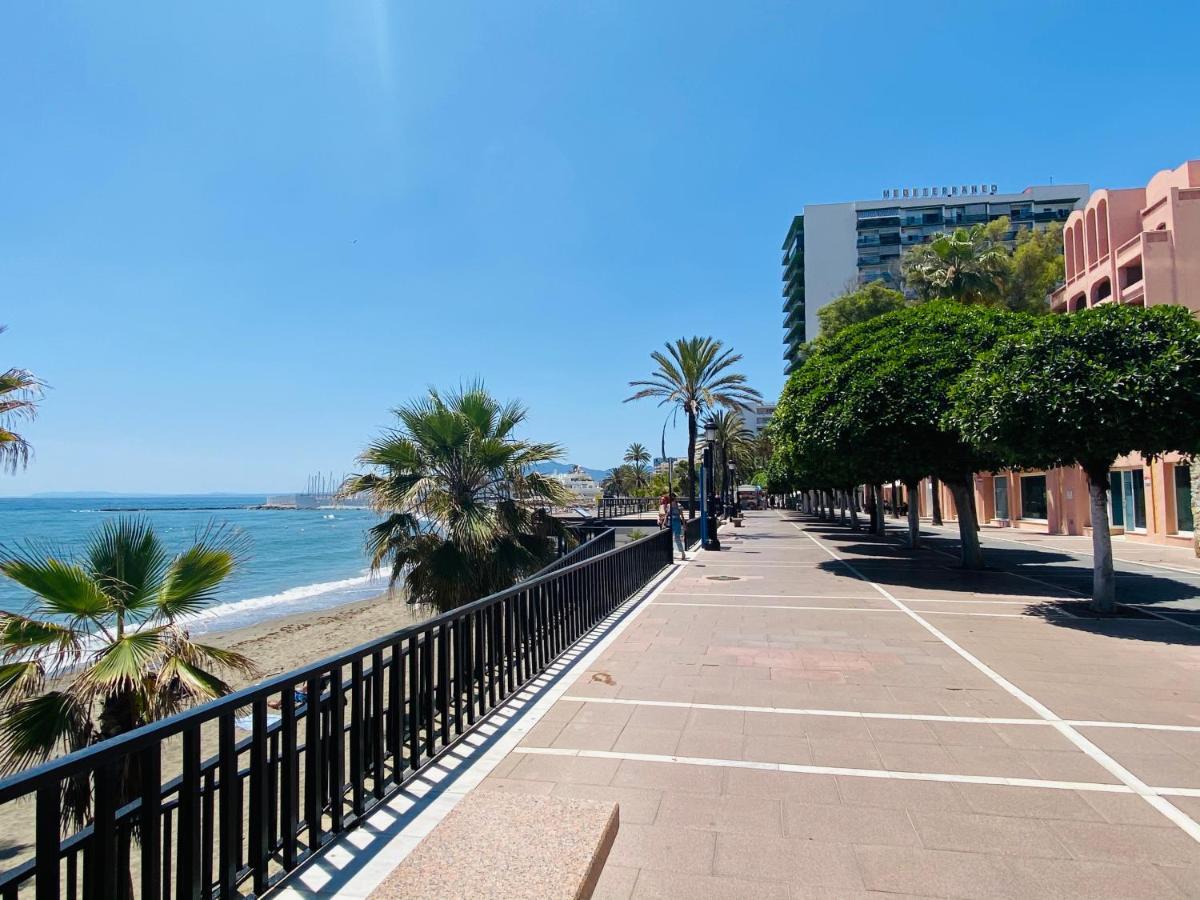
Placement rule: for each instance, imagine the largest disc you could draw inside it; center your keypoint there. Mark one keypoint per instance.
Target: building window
(1033, 496)
(1000, 492)
(1183, 500)
(1127, 499)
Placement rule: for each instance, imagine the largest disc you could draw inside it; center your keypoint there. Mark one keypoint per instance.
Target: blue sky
(233, 235)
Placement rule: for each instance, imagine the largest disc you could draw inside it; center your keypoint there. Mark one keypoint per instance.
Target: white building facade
(832, 247)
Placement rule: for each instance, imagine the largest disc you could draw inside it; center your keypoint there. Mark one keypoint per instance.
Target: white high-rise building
(833, 246)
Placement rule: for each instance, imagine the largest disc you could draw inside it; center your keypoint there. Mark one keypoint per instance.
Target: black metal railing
(600, 541)
(608, 507)
(320, 748)
(691, 532)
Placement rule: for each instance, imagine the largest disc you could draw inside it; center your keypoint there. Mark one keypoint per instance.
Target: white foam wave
(320, 595)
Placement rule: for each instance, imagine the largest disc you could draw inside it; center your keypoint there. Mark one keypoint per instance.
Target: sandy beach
(284, 643)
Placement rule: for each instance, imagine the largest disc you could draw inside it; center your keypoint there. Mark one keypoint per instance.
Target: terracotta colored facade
(1139, 246)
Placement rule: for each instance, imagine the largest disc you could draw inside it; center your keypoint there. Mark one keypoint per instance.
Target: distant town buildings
(832, 247)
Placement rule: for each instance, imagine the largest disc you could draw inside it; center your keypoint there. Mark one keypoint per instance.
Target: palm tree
(638, 458)
(964, 266)
(465, 509)
(103, 648)
(617, 482)
(694, 374)
(732, 443)
(19, 393)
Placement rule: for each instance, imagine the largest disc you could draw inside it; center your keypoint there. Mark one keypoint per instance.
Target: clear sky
(234, 235)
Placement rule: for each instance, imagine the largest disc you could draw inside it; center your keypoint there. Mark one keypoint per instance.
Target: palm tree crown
(696, 375)
(19, 393)
(102, 650)
(964, 266)
(637, 457)
(465, 509)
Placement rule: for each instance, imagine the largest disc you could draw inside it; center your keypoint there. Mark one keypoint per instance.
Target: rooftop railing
(211, 802)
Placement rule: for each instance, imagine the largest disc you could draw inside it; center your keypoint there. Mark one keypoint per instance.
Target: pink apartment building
(1139, 246)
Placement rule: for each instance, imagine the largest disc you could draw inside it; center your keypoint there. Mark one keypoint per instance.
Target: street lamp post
(732, 506)
(710, 519)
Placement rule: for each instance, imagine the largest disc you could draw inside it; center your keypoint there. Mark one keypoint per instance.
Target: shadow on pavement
(1020, 572)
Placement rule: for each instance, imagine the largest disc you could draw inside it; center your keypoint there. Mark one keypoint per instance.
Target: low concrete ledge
(494, 844)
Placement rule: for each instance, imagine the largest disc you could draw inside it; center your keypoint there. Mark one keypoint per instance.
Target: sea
(298, 560)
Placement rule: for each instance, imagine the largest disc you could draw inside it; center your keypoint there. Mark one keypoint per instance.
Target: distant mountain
(555, 468)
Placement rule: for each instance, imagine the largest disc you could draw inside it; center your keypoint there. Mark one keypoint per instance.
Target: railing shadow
(453, 775)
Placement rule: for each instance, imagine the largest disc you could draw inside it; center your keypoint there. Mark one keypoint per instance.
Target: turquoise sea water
(298, 560)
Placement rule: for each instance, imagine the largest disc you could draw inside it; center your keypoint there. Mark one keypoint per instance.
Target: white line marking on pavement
(778, 596)
(855, 714)
(797, 768)
(1185, 822)
(856, 609)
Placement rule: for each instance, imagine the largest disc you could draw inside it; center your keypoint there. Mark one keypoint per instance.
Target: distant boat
(321, 493)
(582, 485)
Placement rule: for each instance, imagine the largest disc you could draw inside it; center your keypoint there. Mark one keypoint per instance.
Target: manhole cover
(723, 577)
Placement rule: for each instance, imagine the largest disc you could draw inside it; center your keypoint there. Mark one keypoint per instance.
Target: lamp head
(710, 433)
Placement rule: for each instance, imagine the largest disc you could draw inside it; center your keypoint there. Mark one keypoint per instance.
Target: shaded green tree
(1035, 269)
(696, 375)
(1087, 388)
(868, 406)
(872, 299)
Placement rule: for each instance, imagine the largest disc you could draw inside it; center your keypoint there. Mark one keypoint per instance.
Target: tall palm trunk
(968, 531)
(935, 496)
(1104, 581)
(691, 463)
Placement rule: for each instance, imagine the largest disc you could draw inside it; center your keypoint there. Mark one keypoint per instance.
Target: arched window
(1079, 267)
(1069, 252)
(1092, 255)
(1102, 226)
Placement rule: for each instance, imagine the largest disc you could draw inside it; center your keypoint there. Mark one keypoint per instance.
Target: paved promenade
(815, 713)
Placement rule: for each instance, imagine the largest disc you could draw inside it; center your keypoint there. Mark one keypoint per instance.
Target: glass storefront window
(1127, 499)
(1183, 499)
(1033, 496)
(1000, 491)
(1116, 500)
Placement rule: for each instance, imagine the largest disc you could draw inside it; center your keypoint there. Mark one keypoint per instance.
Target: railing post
(47, 840)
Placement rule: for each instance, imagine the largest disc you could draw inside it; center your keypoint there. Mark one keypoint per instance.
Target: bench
(494, 844)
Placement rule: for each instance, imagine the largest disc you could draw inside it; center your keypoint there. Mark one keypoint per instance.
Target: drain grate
(723, 577)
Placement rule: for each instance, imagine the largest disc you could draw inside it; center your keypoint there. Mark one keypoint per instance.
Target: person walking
(664, 511)
(677, 527)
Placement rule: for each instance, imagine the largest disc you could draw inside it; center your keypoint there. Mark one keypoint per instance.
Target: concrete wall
(830, 257)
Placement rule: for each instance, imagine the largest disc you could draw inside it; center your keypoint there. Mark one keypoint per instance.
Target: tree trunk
(895, 499)
(691, 464)
(914, 515)
(841, 495)
(879, 526)
(935, 501)
(1104, 582)
(854, 524)
(1196, 505)
(968, 532)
